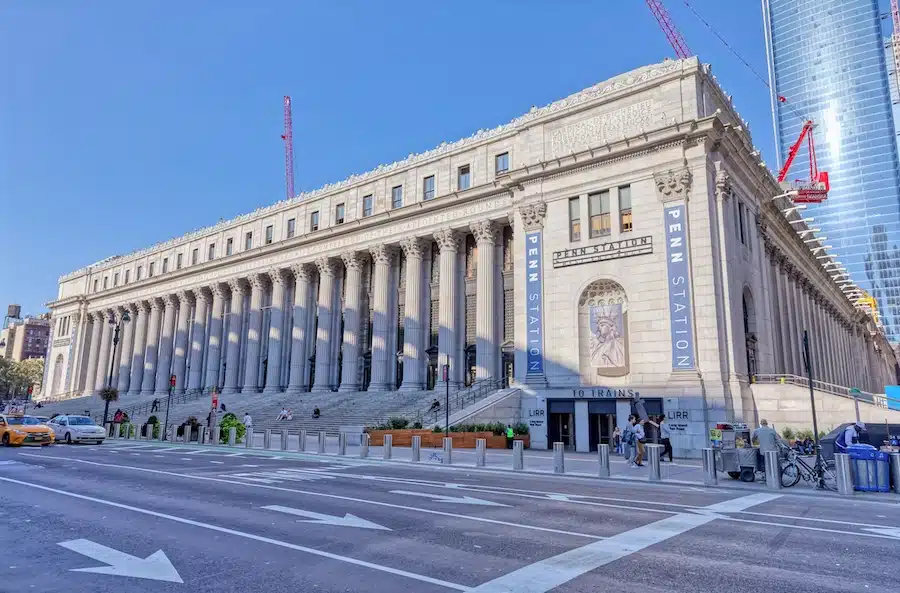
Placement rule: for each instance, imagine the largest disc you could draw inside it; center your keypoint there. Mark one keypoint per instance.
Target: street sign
(715, 434)
(172, 381)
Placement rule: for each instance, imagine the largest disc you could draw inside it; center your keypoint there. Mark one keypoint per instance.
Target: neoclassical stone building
(621, 241)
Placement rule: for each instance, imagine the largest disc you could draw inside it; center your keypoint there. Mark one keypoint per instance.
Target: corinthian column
(103, 365)
(179, 361)
(125, 354)
(449, 242)
(90, 380)
(148, 384)
(486, 346)
(327, 271)
(198, 339)
(214, 347)
(413, 351)
(139, 318)
(353, 263)
(254, 333)
(164, 365)
(235, 324)
(383, 257)
(298, 382)
(276, 325)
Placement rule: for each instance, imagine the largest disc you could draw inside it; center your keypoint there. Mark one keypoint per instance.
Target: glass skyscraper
(827, 59)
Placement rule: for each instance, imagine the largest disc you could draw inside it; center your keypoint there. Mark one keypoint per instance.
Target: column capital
(674, 185)
(237, 287)
(133, 308)
(485, 231)
(277, 277)
(353, 260)
(382, 253)
(185, 296)
(257, 281)
(327, 266)
(302, 272)
(200, 294)
(448, 240)
(96, 316)
(533, 215)
(217, 290)
(412, 247)
(170, 300)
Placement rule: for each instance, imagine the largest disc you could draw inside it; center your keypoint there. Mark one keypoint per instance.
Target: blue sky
(123, 124)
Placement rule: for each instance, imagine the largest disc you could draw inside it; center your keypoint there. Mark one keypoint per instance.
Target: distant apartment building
(25, 338)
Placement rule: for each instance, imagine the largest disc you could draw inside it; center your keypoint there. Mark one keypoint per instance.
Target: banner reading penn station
(680, 313)
(534, 294)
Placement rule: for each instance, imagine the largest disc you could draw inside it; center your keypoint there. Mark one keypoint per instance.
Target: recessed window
(270, 233)
(96, 285)
(248, 241)
(116, 279)
(178, 261)
(105, 282)
(151, 270)
(625, 208)
(501, 163)
(367, 205)
(464, 178)
(574, 219)
(397, 196)
(314, 221)
(741, 222)
(339, 214)
(211, 254)
(127, 276)
(140, 273)
(229, 246)
(195, 257)
(598, 211)
(291, 227)
(428, 188)
(165, 265)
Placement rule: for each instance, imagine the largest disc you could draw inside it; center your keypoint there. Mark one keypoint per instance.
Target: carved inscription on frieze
(606, 127)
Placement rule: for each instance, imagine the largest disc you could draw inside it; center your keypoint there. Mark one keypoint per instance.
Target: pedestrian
(316, 412)
(768, 440)
(282, 415)
(155, 406)
(629, 441)
(848, 437)
(248, 421)
(211, 419)
(510, 433)
(617, 440)
(640, 437)
(435, 405)
(290, 415)
(665, 437)
(222, 407)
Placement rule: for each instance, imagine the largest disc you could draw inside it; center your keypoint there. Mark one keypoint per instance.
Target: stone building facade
(621, 242)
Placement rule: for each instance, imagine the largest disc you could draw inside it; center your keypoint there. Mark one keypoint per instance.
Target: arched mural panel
(602, 332)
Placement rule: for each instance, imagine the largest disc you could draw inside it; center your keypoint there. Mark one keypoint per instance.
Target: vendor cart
(739, 464)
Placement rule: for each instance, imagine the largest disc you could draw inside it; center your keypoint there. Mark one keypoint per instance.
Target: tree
(17, 377)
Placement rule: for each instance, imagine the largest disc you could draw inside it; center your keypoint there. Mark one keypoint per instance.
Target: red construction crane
(288, 138)
(812, 190)
(671, 31)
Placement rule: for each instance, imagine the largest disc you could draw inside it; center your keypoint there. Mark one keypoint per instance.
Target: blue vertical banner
(681, 317)
(534, 303)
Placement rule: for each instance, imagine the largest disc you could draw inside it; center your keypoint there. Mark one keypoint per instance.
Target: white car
(76, 429)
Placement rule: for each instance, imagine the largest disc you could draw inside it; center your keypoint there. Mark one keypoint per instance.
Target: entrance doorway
(602, 427)
(561, 425)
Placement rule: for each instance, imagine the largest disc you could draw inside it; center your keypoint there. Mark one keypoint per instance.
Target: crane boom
(676, 40)
(288, 138)
(814, 189)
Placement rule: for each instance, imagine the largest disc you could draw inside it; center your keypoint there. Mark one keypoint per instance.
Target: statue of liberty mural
(607, 344)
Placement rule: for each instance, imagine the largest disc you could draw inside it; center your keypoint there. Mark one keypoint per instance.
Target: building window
(314, 221)
(463, 178)
(178, 261)
(625, 208)
(105, 282)
(151, 270)
(501, 163)
(291, 227)
(397, 196)
(127, 276)
(212, 252)
(574, 219)
(195, 257)
(367, 205)
(339, 214)
(229, 246)
(741, 222)
(428, 188)
(248, 241)
(165, 265)
(140, 273)
(116, 279)
(270, 232)
(598, 211)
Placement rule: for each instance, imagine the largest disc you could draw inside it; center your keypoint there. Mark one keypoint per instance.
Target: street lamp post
(807, 360)
(112, 363)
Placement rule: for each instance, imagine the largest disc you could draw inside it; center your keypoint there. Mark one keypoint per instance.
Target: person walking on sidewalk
(640, 437)
(248, 421)
(629, 441)
(665, 439)
(617, 440)
(510, 433)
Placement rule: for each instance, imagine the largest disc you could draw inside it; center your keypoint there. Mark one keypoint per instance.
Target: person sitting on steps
(316, 413)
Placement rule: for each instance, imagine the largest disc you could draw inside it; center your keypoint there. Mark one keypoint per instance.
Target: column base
(161, 393)
(274, 390)
(296, 390)
(535, 380)
(148, 391)
(380, 387)
(321, 389)
(344, 388)
(247, 389)
(132, 394)
(179, 392)
(230, 391)
(412, 387)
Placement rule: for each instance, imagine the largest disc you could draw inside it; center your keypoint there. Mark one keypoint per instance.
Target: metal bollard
(388, 445)
(202, 437)
(603, 458)
(559, 458)
(170, 433)
(322, 437)
(364, 445)
(895, 471)
(842, 474)
(773, 471)
(342, 443)
(109, 426)
(186, 432)
(709, 467)
(447, 457)
(518, 455)
(480, 455)
(416, 448)
(302, 445)
(248, 438)
(217, 435)
(117, 430)
(267, 439)
(285, 436)
(653, 453)
(232, 436)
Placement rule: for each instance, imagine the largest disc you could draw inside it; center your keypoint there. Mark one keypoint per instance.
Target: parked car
(18, 430)
(43, 419)
(76, 429)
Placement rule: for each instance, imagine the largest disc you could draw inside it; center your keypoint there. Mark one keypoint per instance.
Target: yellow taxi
(16, 430)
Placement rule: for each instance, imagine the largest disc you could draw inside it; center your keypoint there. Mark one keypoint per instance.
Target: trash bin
(870, 468)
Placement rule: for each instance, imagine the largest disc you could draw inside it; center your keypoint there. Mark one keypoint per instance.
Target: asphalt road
(148, 517)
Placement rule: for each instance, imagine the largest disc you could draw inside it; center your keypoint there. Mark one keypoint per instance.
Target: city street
(153, 517)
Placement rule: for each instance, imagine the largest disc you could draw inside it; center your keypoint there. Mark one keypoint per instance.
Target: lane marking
(217, 462)
(250, 536)
(451, 499)
(155, 567)
(347, 520)
(550, 573)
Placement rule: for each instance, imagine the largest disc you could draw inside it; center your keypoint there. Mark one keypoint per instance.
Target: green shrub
(788, 433)
(125, 430)
(398, 423)
(152, 420)
(806, 433)
(229, 420)
(439, 429)
(417, 425)
(521, 428)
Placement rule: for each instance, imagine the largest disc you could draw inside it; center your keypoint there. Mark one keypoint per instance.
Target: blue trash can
(870, 468)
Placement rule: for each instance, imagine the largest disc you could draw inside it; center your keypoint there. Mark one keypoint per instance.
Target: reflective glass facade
(827, 58)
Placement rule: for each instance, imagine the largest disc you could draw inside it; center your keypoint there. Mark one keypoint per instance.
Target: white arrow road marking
(155, 567)
(347, 520)
(455, 499)
(888, 531)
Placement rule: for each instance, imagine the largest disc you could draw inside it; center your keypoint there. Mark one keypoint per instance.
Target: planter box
(461, 440)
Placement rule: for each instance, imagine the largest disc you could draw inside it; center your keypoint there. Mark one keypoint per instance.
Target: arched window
(602, 332)
(57, 374)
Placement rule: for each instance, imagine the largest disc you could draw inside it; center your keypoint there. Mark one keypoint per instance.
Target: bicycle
(793, 468)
